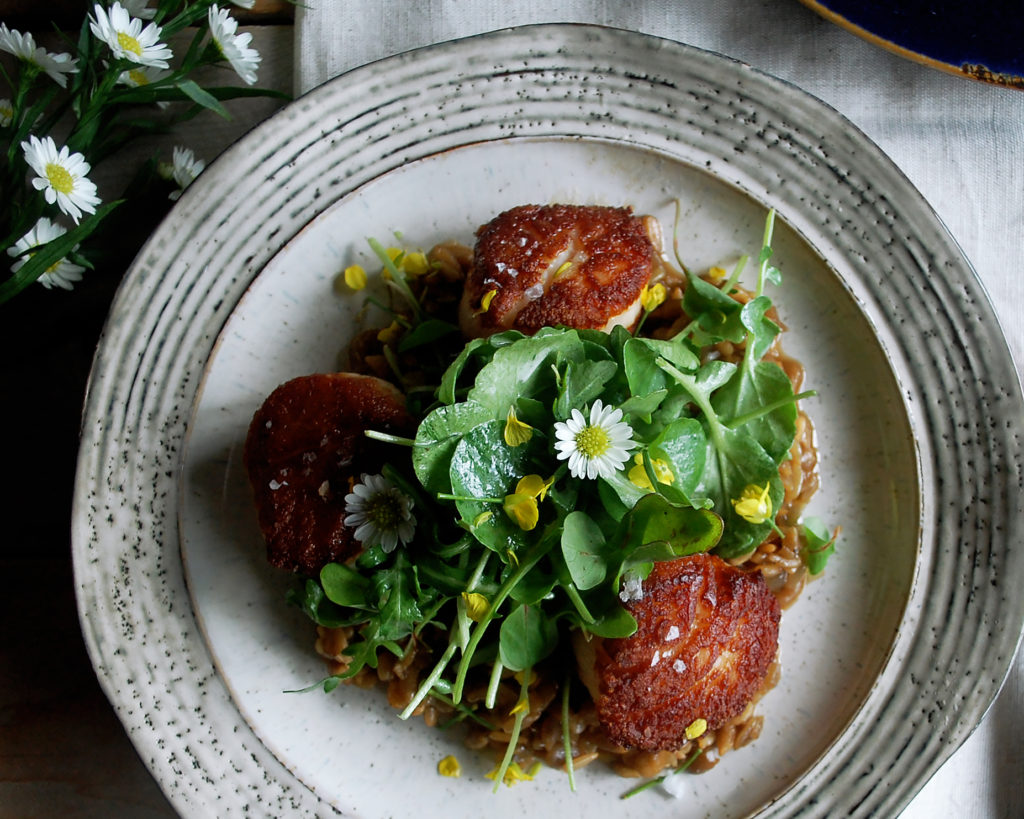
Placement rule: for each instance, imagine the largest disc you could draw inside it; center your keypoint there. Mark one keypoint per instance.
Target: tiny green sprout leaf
(819, 545)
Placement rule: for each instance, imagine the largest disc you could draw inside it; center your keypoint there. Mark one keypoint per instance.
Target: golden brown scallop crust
(304, 449)
(707, 634)
(548, 265)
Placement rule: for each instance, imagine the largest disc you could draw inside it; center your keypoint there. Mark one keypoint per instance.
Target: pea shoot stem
(521, 710)
(567, 733)
(428, 683)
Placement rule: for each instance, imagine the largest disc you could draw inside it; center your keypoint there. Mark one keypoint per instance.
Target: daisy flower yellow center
(129, 43)
(136, 75)
(594, 446)
(593, 442)
(384, 511)
(60, 179)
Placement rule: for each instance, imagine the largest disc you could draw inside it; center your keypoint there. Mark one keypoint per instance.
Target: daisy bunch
(134, 68)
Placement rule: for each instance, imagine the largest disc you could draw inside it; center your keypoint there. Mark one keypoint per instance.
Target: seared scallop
(304, 450)
(707, 635)
(547, 265)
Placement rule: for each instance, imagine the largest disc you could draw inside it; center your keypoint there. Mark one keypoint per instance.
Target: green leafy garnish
(515, 548)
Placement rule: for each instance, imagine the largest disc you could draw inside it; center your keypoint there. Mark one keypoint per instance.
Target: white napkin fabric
(960, 142)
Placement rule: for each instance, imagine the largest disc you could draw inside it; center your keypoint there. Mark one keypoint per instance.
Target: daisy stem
(388, 438)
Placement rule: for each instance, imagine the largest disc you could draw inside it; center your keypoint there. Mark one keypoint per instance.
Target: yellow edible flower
(517, 433)
(415, 264)
(696, 728)
(521, 505)
(523, 510)
(355, 276)
(389, 333)
(717, 273)
(477, 606)
(449, 766)
(652, 297)
(754, 506)
(485, 302)
(638, 475)
(514, 773)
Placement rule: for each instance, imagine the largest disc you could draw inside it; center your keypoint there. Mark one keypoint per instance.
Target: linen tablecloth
(960, 142)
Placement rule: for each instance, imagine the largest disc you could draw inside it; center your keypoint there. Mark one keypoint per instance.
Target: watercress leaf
(527, 636)
(735, 461)
(623, 494)
(716, 314)
(683, 443)
(534, 587)
(642, 407)
(674, 352)
(310, 597)
(686, 530)
(524, 368)
(426, 332)
(712, 375)
(585, 550)
(639, 361)
(762, 330)
(345, 586)
(484, 466)
(611, 619)
(582, 383)
(818, 546)
(755, 387)
(436, 438)
(475, 354)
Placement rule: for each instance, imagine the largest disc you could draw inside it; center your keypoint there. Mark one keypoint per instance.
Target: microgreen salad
(547, 475)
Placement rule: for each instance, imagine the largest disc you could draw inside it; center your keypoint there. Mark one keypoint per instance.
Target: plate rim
(575, 34)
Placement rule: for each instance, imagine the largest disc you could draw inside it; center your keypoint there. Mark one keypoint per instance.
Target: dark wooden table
(63, 751)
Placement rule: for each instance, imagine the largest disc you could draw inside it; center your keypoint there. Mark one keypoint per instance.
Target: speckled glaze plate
(888, 662)
(980, 40)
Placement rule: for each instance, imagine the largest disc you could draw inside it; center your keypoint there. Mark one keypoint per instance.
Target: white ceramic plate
(889, 662)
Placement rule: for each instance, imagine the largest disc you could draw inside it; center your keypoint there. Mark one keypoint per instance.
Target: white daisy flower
(141, 76)
(138, 8)
(184, 169)
(380, 512)
(234, 47)
(61, 273)
(245, 4)
(23, 46)
(597, 448)
(126, 37)
(61, 176)
(6, 113)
